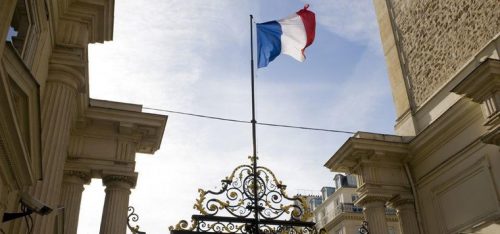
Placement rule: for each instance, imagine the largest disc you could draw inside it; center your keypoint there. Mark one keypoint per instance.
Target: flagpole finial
(306, 6)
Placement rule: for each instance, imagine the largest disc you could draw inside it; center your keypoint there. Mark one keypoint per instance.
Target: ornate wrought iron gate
(249, 202)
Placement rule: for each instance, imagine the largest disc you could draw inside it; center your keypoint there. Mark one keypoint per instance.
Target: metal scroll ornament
(233, 208)
(134, 218)
(364, 228)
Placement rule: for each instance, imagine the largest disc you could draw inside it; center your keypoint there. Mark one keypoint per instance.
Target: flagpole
(254, 134)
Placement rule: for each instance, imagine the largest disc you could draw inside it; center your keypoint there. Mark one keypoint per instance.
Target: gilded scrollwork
(245, 195)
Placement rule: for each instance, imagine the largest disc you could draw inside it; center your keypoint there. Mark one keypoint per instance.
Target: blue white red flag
(291, 36)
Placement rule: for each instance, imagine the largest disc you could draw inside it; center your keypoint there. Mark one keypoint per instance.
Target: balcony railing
(348, 208)
(328, 215)
(351, 208)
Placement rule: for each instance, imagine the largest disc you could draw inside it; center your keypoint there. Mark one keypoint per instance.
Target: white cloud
(353, 20)
(164, 44)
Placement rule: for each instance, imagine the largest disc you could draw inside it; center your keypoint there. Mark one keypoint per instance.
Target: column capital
(121, 181)
(405, 207)
(366, 200)
(74, 176)
(67, 66)
(400, 201)
(369, 193)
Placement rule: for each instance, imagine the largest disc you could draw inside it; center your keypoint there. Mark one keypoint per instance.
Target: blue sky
(193, 56)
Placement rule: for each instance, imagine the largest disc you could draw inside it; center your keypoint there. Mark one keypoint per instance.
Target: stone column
(114, 215)
(58, 110)
(71, 197)
(374, 211)
(407, 216)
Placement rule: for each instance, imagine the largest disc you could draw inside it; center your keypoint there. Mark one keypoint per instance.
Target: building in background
(336, 212)
(441, 171)
(53, 137)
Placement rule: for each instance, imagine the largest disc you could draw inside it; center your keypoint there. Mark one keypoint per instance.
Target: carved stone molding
(483, 87)
(368, 198)
(72, 33)
(124, 181)
(96, 15)
(492, 137)
(365, 146)
(82, 176)
(68, 75)
(401, 200)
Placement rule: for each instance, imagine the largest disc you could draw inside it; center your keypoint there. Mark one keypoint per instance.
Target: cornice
(150, 127)
(96, 15)
(481, 82)
(366, 146)
(483, 86)
(492, 137)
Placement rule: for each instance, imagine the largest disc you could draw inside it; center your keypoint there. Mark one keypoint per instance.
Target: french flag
(290, 36)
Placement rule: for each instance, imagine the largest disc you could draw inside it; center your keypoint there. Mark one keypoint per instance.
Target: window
(354, 197)
(338, 184)
(20, 25)
(351, 181)
(391, 230)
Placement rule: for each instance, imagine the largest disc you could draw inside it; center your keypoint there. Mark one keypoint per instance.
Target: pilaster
(406, 212)
(374, 211)
(71, 197)
(114, 215)
(58, 110)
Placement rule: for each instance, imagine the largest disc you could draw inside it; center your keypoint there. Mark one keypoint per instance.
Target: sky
(194, 56)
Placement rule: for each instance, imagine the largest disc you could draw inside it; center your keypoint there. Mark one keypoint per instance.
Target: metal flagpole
(254, 134)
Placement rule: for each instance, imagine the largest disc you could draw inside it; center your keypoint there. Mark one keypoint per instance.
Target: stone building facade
(53, 137)
(441, 171)
(337, 214)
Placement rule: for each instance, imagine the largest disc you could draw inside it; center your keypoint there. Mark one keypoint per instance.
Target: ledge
(364, 144)
(98, 15)
(481, 82)
(115, 105)
(130, 120)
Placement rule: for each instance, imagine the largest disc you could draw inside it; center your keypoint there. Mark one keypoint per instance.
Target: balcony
(347, 208)
(351, 208)
(325, 214)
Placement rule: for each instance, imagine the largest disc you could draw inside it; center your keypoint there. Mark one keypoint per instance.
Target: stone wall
(438, 37)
